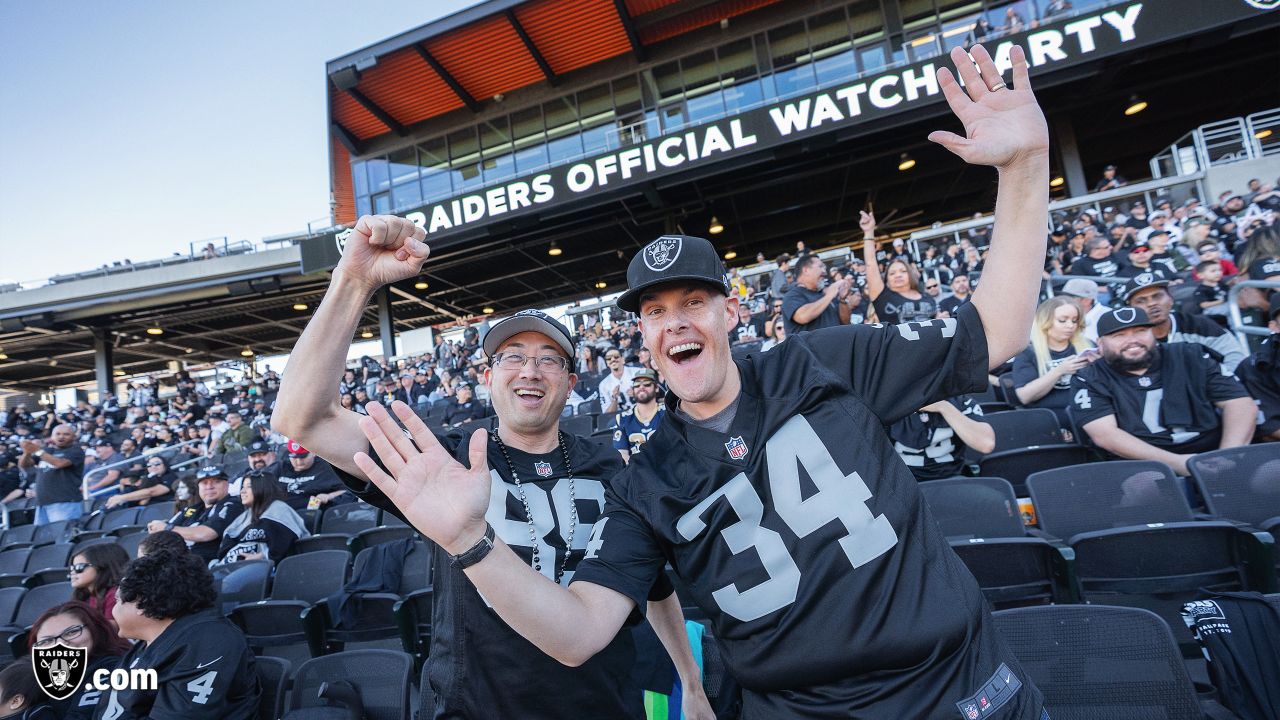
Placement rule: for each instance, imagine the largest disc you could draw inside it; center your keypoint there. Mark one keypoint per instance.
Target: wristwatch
(38, 454)
(478, 552)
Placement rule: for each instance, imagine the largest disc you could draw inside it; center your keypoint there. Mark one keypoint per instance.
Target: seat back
(1015, 465)
(348, 519)
(49, 556)
(39, 599)
(155, 511)
(310, 577)
(376, 536)
(14, 561)
(980, 507)
(82, 544)
(1095, 661)
(130, 542)
(382, 677)
(242, 582)
(324, 541)
(120, 518)
(10, 598)
(17, 534)
(1240, 483)
(578, 424)
(273, 674)
(417, 567)
(1024, 428)
(589, 407)
(1101, 496)
(51, 532)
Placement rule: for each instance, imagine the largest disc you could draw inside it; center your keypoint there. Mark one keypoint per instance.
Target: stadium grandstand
(540, 144)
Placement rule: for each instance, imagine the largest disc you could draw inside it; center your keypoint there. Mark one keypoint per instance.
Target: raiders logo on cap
(662, 253)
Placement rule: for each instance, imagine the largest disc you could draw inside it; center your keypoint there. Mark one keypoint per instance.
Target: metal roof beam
(346, 137)
(629, 26)
(449, 79)
(533, 49)
(376, 110)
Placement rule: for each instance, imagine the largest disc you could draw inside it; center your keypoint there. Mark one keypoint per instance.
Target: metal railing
(1220, 143)
(84, 485)
(1235, 319)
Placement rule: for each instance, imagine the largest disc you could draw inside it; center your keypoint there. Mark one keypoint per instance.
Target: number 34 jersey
(805, 539)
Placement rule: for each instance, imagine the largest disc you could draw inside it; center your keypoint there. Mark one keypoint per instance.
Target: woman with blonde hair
(1042, 373)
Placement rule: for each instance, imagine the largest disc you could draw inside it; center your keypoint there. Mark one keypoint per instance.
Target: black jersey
(927, 444)
(1260, 374)
(205, 670)
(216, 517)
(84, 702)
(806, 541)
(302, 484)
(480, 667)
(892, 308)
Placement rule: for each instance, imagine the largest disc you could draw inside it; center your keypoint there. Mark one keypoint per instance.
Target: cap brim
(1126, 327)
(504, 330)
(1156, 283)
(630, 300)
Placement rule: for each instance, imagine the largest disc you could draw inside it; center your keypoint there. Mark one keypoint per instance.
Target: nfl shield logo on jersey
(660, 253)
(972, 711)
(59, 669)
(737, 448)
(542, 468)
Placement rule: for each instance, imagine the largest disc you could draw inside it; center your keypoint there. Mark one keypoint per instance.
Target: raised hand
(383, 249)
(437, 495)
(1003, 124)
(867, 221)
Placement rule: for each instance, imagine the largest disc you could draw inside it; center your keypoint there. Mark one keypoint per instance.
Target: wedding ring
(999, 86)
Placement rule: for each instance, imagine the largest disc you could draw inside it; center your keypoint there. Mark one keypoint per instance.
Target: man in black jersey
(311, 481)
(202, 526)
(204, 667)
(810, 306)
(1149, 292)
(1147, 401)
(542, 497)
(1260, 374)
(771, 488)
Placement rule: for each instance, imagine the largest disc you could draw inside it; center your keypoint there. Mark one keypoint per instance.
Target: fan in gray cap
(671, 258)
(528, 321)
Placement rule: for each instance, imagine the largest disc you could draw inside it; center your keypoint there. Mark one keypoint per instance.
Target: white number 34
(840, 497)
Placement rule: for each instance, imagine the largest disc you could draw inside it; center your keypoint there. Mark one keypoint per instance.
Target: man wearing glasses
(613, 388)
(202, 527)
(547, 490)
(633, 427)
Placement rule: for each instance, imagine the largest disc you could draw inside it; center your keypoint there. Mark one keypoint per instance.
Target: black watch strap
(478, 552)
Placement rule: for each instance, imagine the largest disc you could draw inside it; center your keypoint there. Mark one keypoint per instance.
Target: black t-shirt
(205, 669)
(1110, 266)
(480, 667)
(1264, 268)
(927, 444)
(1209, 293)
(1026, 370)
(806, 541)
(216, 517)
(751, 331)
(1140, 405)
(301, 485)
(457, 413)
(799, 296)
(60, 485)
(951, 303)
(1260, 375)
(269, 537)
(892, 308)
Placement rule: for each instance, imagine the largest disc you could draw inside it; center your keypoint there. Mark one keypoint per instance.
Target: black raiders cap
(258, 446)
(1122, 318)
(210, 471)
(528, 321)
(670, 258)
(1149, 278)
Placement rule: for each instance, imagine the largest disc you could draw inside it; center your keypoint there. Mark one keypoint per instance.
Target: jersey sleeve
(619, 435)
(279, 539)
(1221, 387)
(200, 684)
(1091, 399)
(897, 369)
(623, 555)
(1024, 368)
(221, 516)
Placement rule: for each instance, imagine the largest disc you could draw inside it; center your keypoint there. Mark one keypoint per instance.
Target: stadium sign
(1064, 43)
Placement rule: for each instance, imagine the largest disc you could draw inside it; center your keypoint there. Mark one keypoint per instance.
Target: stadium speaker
(11, 324)
(39, 320)
(346, 78)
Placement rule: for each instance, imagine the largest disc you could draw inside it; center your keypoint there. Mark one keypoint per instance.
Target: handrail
(1234, 317)
(84, 485)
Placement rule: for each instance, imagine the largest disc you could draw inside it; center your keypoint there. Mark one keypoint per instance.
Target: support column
(1069, 156)
(386, 323)
(103, 360)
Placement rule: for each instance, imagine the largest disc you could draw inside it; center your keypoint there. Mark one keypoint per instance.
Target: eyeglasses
(515, 361)
(930, 287)
(67, 635)
(79, 568)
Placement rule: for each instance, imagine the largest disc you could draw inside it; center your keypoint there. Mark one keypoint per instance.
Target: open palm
(1002, 126)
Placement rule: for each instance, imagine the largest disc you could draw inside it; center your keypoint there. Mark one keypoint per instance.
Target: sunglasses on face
(79, 568)
(930, 287)
(67, 635)
(644, 384)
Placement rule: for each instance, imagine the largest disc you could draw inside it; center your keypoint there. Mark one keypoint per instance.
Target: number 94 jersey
(806, 541)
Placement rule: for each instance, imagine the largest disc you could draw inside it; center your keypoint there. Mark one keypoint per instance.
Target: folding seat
(54, 532)
(19, 536)
(378, 535)
(374, 618)
(323, 541)
(300, 581)
(348, 519)
(390, 519)
(273, 674)
(382, 678)
(1095, 661)
(578, 424)
(982, 523)
(589, 407)
(13, 566)
(1030, 427)
(155, 511)
(1241, 484)
(1016, 464)
(131, 541)
(1137, 542)
(37, 600)
(116, 519)
(49, 556)
(242, 582)
(10, 597)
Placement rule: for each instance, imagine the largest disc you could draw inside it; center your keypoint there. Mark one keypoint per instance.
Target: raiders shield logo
(1145, 278)
(341, 239)
(542, 468)
(661, 253)
(1263, 4)
(59, 669)
(737, 448)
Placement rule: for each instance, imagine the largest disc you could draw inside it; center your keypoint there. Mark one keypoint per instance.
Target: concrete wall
(1235, 177)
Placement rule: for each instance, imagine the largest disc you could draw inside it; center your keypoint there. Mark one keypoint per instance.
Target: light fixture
(1263, 134)
(53, 363)
(299, 306)
(118, 373)
(1136, 105)
(906, 162)
(366, 334)
(731, 255)
(600, 284)
(247, 352)
(716, 227)
(1056, 182)
(3, 356)
(190, 350)
(554, 250)
(420, 285)
(487, 310)
(155, 330)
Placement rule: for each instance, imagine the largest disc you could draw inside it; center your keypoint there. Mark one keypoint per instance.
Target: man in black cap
(1149, 292)
(311, 481)
(262, 457)
(1260, 375)
(542, 496)
(202, 525)
(1110, 180)
(632, 428)
(1147, 401)
(99, 479)
(771, 487)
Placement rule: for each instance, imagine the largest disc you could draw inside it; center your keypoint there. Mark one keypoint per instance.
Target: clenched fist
(383, 249)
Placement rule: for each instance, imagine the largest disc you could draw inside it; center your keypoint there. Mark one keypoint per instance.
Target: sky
(132, 128)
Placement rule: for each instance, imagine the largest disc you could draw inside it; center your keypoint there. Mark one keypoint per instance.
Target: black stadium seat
(1094, 661)
(49, 556)
(37, 600)
(1016, 464)
(10, 597)
(378, 535)
(155, 510)
(300, 581)
(115, 519)
(242, 582)
(1242, 484)
(1016, 429)
(375, 617)
(348, 519)
(130, 542)
(323, 541)
(982, 523)
(578, 424)
(273, 674)
(382, 678)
